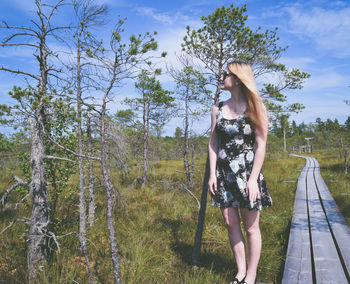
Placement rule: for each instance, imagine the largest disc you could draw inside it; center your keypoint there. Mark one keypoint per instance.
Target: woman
(236, 154)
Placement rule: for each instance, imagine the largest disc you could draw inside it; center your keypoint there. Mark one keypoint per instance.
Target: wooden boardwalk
(319, 240)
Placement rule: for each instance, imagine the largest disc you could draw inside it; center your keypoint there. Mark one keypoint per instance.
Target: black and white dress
(236, 139)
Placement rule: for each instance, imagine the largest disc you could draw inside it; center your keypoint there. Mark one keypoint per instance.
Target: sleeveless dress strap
(219, 115)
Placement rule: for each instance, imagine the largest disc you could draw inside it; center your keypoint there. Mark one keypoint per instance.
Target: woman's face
(228, 80)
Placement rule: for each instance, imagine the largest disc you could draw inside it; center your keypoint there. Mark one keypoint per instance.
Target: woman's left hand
(253, 190)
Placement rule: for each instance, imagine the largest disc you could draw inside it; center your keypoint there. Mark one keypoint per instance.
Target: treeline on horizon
(325, 134)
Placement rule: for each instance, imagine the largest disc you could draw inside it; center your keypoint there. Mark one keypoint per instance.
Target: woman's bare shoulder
(215, 107)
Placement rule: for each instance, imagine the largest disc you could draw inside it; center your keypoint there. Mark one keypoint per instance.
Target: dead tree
(193, 167)
(108, 185)
(87, 16)
(35, 37)
(193, 97)
(154, 104)
(92, 206)
(118, 63)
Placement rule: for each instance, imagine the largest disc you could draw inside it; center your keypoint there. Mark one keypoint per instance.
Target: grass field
(155, 230)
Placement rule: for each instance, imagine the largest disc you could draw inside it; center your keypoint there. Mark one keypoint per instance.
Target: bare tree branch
(20, 72)
(6, 26)
(52, 235)
(20, 202)
(8, 191)
(59, 181)
(17, 34)
(58, 158)
(58, 28)
(59, 3)
(190, 192)
(69, 150)
(19, 44)
(7, 227)
(25, 220)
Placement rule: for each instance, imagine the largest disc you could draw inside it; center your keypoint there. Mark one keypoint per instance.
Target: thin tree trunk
(138, 162)
(109, 196)
(40, 220)
(193, 163)
(145, 141)
(346, 161)
(92, 205)
(39, 224)
(106, 177)
(82, 201)
(153, 166)
(201, 216)
(186, 151)
(284, 140)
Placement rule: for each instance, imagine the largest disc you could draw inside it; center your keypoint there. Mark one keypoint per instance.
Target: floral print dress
(236, 139)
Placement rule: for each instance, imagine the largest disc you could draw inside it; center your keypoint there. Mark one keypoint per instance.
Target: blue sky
(317, 33)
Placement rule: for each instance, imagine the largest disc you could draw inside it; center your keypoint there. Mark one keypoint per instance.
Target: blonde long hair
(255, 109)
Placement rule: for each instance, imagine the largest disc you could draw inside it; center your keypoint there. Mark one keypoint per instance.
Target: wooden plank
(338, 224)
(328, 268)
(314, 203)
(297, 268)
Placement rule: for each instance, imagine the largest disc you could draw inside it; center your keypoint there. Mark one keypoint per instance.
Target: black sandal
(235, 281)
(243, 281)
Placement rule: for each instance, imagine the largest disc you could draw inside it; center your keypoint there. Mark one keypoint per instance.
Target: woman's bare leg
(251, 225)
(232, 220)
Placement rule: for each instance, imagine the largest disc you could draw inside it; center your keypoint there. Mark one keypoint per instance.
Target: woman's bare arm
(260, 140)
(213, 150)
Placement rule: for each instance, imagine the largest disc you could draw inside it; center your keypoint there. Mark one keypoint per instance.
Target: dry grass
(155, 233)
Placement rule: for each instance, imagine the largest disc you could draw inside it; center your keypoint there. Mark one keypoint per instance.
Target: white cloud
(170, 41)
(298, 62)
(171, 18)
(17, 52)
(328, 29)
(163, 18)
(171, 33)
(326, 80)
(109, 2)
